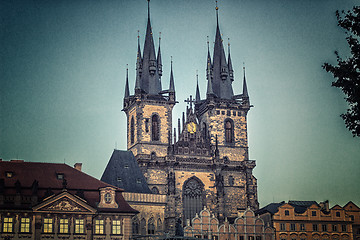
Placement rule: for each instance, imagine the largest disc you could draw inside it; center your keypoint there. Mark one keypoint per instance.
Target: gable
(350, 206)
(64, 203)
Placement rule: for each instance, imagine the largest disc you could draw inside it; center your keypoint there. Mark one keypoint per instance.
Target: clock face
(191, 127)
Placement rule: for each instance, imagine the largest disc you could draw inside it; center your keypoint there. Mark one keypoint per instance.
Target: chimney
(77, 166)
(325, 205)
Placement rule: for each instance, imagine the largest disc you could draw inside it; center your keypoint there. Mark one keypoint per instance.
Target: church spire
(221, 81)
(197, 94)
(245, 91)
(159, 62)
(150, 81)
(231, 70)
(127, 92)
(172, 85)
(138, 65)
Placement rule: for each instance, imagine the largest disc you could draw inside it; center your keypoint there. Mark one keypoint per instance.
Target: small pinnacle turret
(171, 85)
(245, 91)
(197, 94)
(127, 92)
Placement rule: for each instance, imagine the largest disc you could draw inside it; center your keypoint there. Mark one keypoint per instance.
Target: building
(56, 201)
(353, 212)
(246, 226)
(308, 220)
(205, 161)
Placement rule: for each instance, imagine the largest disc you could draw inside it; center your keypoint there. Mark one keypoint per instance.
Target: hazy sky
(63, 67)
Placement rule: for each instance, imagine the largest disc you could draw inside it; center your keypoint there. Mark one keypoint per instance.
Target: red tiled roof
(46, 175)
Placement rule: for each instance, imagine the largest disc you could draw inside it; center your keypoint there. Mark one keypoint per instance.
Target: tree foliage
(347, 71)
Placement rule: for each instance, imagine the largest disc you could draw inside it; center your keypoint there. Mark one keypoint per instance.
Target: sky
(63, 68)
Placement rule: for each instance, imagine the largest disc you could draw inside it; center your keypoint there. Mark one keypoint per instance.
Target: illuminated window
(8, 225)
(79, 226)
(9, 174)
(229, 131)
(48, 225)
(99, 226)
(64, 225)
(116, 227)
(25, 225)
(155, 128)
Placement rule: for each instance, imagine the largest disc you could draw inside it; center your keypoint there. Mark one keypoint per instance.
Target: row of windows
(314, 213)
(315, 227)
(228, 113)
(155, 129)
(63, 227)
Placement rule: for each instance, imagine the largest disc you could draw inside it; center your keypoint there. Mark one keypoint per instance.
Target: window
(64, 225)
(343, 228)
(337, 214)
(293, 227)
(60, 176)
(258, 238)
(25, 225)
(147, 125)
(352, 217)
(159, 225)
(231, 180)
(79, 226)
(155, 128)
(324, 228)
(229, 131)
(155, 190)
(282, 227)
(48, 225)
(315, 227)
(241, 237)
(334, 228)
(313, 213)
(143, 226)
(99, 226)
(302, 227)
(135, 226)
(8, 225)
(192, 197)
(132, 130)
(108, 197)
(287, 213)
(151, 226)
(116, 227)
(9, 174)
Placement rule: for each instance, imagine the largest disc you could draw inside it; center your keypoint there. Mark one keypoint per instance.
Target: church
(200, 164)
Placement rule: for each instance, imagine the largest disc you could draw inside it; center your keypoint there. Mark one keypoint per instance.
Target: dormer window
(119, 179)
(138, 181)
(60, 176)
(107, 198)
(9, 174)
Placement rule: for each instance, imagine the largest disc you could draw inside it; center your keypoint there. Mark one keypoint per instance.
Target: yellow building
(308, 220)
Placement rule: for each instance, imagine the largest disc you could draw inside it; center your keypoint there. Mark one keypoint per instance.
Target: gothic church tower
(149, 110)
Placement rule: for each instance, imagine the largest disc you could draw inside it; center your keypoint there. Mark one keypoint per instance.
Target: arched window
(229, 131)
(151, 226)
(135, 226)
(132, 130)
(204, 130)
(155, 128)
(159, 225)
(192, 197)
(231, 180)
(155, 190)
(143, 226)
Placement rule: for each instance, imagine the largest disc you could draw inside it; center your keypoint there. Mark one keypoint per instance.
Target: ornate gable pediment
(64, 202)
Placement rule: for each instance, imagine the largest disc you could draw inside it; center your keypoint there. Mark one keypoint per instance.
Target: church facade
(204, 162)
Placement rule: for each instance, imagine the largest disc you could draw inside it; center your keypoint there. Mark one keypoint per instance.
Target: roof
(123, 171)
(299, 206)
(25, 174)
